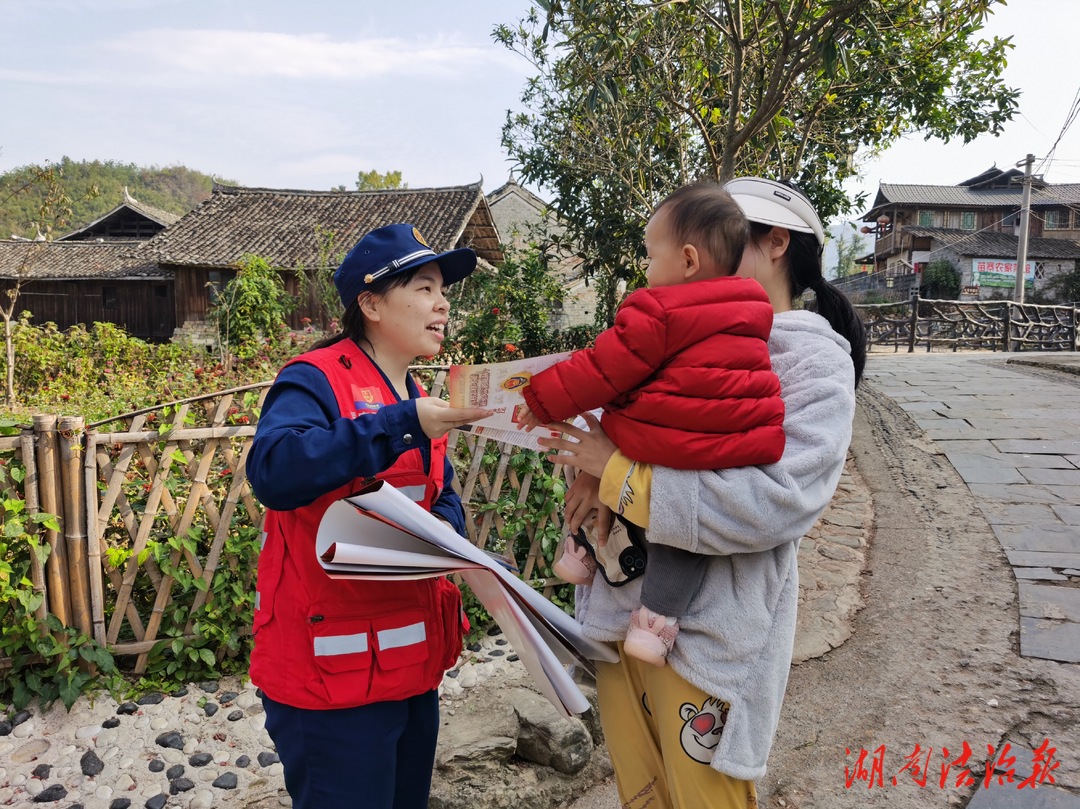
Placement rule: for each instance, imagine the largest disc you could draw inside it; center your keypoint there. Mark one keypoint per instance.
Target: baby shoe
(650, 636)
(576, 565)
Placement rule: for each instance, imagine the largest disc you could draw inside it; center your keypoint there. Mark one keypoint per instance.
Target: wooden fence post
(914, 321)
(69, 431)
(93, 538)
(1007, 323)
(30, 492)
(51, 503)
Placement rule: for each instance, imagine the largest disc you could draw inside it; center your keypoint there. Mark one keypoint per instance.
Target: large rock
(508, 748)
(547, 737)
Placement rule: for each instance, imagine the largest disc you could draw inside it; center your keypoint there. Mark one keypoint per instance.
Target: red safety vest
(322, 643)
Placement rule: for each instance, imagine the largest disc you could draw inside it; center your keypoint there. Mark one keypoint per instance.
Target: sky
(284, 94)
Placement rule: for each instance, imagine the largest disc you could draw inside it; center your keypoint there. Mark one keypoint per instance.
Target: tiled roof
(992, 244)
(76, 261)
(281, 225)
(150, 212)
(163, 218)
(956, 196)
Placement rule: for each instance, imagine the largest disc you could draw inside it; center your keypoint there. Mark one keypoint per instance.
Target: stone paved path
(1014, 438)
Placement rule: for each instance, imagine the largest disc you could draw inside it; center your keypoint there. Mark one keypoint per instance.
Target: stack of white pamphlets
(382, 534)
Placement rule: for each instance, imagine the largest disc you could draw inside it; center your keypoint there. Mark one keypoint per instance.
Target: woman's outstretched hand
(591, 450)
(437, 417)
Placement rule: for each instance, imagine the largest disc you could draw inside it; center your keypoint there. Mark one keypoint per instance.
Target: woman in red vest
(349, 671)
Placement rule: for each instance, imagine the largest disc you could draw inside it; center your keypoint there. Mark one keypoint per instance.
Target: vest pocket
(343, 655)
(400, 640)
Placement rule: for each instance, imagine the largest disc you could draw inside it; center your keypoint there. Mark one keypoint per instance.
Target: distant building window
(108, 297)
(930, 219)
(1057, 220)
(217, 279)
(967, 220)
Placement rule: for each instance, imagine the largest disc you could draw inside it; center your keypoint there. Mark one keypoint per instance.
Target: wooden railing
(988, 325)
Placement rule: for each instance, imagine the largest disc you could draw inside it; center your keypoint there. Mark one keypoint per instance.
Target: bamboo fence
(129, 491)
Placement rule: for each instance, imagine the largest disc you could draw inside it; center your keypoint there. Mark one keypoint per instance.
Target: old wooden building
(975, 226)
(131, 220)
(305, 232)
(151, 272)
(74, 282)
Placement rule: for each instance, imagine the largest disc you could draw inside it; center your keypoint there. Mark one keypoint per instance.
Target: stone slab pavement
(1012, 432)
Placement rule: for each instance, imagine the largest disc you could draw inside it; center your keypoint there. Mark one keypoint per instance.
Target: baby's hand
(527, 419)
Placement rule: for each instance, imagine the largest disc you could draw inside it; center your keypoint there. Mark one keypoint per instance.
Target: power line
(1074, 110)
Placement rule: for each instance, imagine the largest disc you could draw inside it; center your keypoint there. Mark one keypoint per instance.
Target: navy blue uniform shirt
(303, 448)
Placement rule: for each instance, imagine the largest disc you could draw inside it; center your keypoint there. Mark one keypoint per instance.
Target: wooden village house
(87, 282)
(974, 226)
(129, 221)
(162, 287)
(94, 274)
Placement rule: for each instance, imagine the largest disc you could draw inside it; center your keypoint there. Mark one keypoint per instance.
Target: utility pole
(1021, 250)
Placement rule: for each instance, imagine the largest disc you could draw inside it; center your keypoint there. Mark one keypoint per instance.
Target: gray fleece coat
(737, 637)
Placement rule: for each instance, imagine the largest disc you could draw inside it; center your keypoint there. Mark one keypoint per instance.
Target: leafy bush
(251, 310)
(504, 315)
(102, 371)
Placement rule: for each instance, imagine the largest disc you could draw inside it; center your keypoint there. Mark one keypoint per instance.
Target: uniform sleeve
(448, 505)
(303, 448)
(622, 358)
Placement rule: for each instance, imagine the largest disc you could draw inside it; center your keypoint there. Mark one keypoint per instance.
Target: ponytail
(352, 326)
(804, 272)
(833, 305)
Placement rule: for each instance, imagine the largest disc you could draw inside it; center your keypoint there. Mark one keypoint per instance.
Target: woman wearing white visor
(697, 733)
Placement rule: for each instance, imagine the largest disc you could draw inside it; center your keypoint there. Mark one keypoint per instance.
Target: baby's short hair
(704, 214)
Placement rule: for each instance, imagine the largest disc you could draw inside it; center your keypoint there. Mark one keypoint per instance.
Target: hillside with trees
(176, 189)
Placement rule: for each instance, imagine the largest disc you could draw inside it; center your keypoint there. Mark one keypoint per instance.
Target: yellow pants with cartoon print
(661, 732)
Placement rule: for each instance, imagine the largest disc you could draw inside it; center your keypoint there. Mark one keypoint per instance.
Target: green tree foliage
(632, 99)
(251, 308)
(176, 189)
(374, 181)
(847, 250)
(504, 315)
(940, 280)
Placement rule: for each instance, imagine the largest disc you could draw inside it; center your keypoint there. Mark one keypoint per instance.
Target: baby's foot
(650, 636)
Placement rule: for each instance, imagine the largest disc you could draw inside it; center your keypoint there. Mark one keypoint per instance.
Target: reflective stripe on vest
(341, 644)
(414, 493)
(402, 636)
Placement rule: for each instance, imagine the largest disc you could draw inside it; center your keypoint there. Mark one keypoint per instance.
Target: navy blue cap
(392, 249)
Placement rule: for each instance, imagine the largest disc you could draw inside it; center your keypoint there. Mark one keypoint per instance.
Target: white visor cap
(773, 203)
